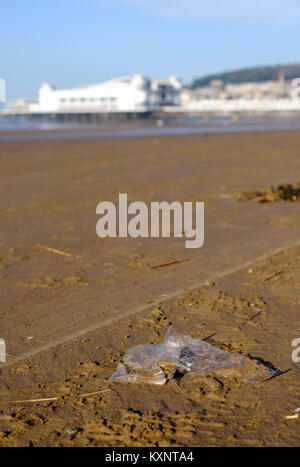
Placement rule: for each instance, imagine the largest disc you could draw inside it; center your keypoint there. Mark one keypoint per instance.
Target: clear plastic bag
(157, 364)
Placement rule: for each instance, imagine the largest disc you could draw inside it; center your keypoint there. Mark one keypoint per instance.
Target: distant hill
(248, 75)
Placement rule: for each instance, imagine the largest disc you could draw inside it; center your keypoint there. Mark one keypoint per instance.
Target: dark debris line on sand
(285, 192)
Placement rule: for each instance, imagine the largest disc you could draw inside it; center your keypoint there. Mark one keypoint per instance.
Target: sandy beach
(72, 304)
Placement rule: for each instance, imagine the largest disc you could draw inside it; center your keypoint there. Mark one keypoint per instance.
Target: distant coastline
(250, 75)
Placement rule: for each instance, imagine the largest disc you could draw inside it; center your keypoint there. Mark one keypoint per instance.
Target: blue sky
(75, 42)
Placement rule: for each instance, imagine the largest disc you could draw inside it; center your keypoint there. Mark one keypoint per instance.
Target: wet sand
(68, 319)
(23, 130)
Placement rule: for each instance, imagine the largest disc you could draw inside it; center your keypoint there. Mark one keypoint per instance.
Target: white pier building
(135, 93)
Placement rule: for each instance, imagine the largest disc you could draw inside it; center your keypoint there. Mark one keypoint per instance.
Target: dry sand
(68, 319)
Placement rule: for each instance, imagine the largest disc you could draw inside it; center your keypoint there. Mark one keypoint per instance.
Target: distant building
(263, 96)
(135, 93)
(216, 83)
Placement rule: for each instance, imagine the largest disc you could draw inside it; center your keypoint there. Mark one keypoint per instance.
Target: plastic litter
(2, 351)
(296, 414)
(179, 354)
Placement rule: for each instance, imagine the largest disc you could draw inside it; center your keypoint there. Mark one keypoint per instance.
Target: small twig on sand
(57, 252)
(207, 338)
(49, 399)
(250, 319)
(169, 263)
(94, 393)
(274, 275)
